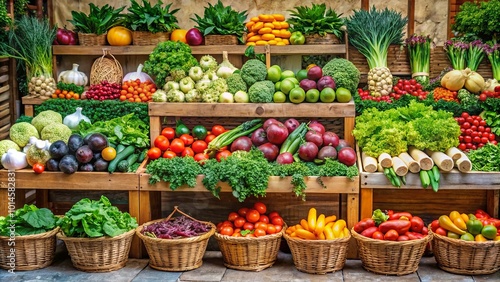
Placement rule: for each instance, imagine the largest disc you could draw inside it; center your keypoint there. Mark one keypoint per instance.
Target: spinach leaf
(28, 220)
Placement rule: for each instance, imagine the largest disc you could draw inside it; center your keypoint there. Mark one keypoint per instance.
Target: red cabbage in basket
(179, 227)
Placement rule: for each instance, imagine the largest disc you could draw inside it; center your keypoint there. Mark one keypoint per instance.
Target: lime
(343, 95)
(279, 97)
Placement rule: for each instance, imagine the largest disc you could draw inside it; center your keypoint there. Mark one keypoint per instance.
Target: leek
(456, 51)
(475, 54)
(493, 53)
(419, 51)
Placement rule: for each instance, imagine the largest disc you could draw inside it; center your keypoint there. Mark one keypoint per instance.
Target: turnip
(291, 124)
(269, 150)
(259, 137)
(269, 121)
(316, 126)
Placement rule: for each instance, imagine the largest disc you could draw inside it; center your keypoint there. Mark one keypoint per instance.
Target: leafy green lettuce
(28, 220)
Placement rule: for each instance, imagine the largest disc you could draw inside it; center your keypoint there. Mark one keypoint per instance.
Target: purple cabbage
(179, 227)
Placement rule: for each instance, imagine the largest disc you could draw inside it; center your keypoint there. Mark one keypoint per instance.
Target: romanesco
(252, 71)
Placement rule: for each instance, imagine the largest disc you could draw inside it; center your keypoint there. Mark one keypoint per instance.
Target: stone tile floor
(213, 269)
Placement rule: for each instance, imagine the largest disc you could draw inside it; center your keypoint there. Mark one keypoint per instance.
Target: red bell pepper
(364, 224)
(481, 214)
(368, 232)
(401, 226)
(417, 224)
(391, 235)
(398, 215)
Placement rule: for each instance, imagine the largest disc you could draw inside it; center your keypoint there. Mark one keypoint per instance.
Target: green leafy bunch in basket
(99, 19)
(150, 18)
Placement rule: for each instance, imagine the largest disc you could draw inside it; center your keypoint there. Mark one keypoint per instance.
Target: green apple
(279, 97)
(274, 73)
(277, 85)
(327, 95)
(312, 95)
(343, 95)
(301, 74)
(287, 73)
(295, 80)
(287, 85)
(297, 95)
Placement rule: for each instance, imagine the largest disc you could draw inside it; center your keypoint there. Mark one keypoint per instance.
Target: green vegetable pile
(90, 218)
(392, 131)
(344, 72)
(28, 220)
(125, 130)
(485, 158)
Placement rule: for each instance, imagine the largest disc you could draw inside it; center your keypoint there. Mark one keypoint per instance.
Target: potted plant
(221, 25)
(150, 24)
(320, 25)
(92, 28)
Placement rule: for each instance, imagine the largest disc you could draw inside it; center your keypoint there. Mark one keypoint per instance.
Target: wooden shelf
(201, 50)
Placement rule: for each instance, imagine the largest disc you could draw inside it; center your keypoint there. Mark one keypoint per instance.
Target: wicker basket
(91, 39)
(175, 254)
(107, 68)
(316, 39)
(32, 251)
(144, 38)
(390, 257)
(466, 257)
(249, 253)
(101, 254)
(318, 256)
(221, 40)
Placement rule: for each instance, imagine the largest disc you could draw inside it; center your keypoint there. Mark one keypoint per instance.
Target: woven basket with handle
(175, 254)
(107, 67)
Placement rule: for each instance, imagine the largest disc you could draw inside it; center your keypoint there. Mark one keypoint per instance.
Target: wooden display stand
(236, 113)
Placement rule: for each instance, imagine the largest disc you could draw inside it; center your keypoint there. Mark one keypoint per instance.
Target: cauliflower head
(261, 92)
(56, 131)
(45, 118)
(21, 132)
(235, 83)
(252, 71)
(5, 145)
(175, 96)
(344, 73)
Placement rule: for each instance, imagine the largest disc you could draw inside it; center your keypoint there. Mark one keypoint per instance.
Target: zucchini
(122, 166)
(119, 148)
(123, 155)
(132, 159)
(142, 155)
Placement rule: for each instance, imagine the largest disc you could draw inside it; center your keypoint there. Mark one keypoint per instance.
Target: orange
(179, 35)
(108, 153)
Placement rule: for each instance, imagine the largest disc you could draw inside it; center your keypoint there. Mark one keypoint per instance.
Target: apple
(194, 37)
(297, 95)
(307, 84)
(315, 73)
(324, 82)
(312, 95)
(327, 95)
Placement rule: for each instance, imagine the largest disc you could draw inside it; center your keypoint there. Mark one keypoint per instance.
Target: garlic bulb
(142, 76)
(14, 159)
(73, 120)
(73, 76)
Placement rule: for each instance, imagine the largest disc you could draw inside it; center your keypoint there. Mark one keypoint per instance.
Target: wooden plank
(4, 88)
(411, 17)
(26, 178)
(4, 69)
(339, 184)
(4, 78)
(275, 110)
(134, 210)
(27, 100)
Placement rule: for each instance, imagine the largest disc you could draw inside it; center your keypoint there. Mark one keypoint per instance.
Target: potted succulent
(319, 24)
(221, 25)
(92, 28)
(150, 24)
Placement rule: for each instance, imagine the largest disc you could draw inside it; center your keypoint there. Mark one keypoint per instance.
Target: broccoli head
(261, 92)
(252, 71)
(235, 83)
(56, 131)
(21, 132)
(344, 73)
(45, 118)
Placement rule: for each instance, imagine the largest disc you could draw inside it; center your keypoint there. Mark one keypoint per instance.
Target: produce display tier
(453, 180)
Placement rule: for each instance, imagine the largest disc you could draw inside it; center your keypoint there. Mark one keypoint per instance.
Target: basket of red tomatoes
(391, 243)
(250, 238)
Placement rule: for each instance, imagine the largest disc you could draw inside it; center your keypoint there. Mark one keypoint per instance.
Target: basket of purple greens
(176, 244)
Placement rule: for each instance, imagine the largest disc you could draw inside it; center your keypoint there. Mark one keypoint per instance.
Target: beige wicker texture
(145, 38)
(249, 253)
(316, 39)
(106, 68)
(101, 254)
(175, 254)
(318, 256)
(32, 251)
(221, 40)
(466, 257)
(390, 257)
(91, 39)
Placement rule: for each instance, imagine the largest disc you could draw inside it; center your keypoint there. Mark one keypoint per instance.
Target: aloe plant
(151, 18)
(98, 21)
(316, 19)
(221, 20)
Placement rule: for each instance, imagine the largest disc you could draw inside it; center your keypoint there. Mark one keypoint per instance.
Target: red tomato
(252, 216)
(154, 153)
(278, 228)
(391, 235)
(177, 145)
(201, 157)
(403, 238)
(271, 229)
(239, 221)
(273, 214)
(260, 225)
(209, 138)
(441, 231)
(187, 152)
(169, 155)
(260, 207)
(243, 211)
(264, 218)
(199, 146)
(232, 216)
(38, 168)
(168, 132)
(277, 220)
(161, 142)
(378, 235)
(259, 232)
(227, 230)
(434, 225)
(222, 155)
(250, 235)
(218, 129)
(187, 139)
(248, 226)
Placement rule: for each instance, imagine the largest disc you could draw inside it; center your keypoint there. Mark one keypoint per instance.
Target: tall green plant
(98, 21)
(479, 18)
(316, 19)
(151, 18)
(221, 20)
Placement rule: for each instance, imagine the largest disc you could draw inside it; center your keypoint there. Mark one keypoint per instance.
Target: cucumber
(434, 183)
(122, 166)
(424, 178)
(142, 155)
(123, 155)
(435, 172)
(119, 148)
(132, 159)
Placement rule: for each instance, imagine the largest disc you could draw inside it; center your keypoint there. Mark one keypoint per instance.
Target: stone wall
(430, 15)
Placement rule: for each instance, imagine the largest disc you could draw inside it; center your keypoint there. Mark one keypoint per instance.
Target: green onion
(419, 51)
(493, 53)
(456, 51)
(226, 138)
(372, 31)
(475, 54)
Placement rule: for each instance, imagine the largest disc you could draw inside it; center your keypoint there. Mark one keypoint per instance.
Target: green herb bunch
(98, 21)
(221, 20)
(316, 19)
(151, 18)
(5, 20)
